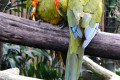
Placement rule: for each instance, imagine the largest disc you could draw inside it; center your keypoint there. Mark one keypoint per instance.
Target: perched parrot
(83, 19)
(46, 10)
(50, 12)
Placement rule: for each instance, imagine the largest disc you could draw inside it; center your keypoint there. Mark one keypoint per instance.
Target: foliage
(111, 7)
(113, 23)
(12, 57)
(89, 75)
(112, 10)
(42, 71)
(12, 6)
(21, 57)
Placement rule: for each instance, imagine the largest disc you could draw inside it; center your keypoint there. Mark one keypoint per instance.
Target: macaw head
(34, 2)
(56, 4)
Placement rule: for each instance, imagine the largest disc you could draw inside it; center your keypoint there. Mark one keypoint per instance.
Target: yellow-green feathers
(83, 19)
(94, 7)
(46, 11)
(28, 3)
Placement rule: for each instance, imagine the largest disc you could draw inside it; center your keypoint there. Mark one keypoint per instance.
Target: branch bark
(13, 74)
(12, 71)
(46, 36)
(104, 73)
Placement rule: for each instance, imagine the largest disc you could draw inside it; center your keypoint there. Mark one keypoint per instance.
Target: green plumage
(28, 3)
(74, 58)
(63, 7)
(80, 13)
(46, 10)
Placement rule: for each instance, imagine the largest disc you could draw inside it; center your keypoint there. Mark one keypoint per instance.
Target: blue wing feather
(30, 11)
(89, 34)
(76, 32)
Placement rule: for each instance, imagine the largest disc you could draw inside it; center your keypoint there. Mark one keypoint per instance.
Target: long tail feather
(74, 64)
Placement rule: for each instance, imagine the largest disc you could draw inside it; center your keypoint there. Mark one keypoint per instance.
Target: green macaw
(83, 19)
(46, 10)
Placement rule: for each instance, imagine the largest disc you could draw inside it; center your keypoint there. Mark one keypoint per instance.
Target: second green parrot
(46, 10)
(83, 18)
(50, 12)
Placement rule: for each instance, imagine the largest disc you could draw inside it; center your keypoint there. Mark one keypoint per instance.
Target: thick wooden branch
(46, 36)
(104, 73)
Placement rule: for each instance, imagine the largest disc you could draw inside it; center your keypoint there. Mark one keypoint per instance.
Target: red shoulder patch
(36, 1)
(56, 3)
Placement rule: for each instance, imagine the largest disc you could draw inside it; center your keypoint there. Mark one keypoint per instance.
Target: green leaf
(20, 5)
(113, 2)
(24, 72)
(45, 54)
(54, 62)
(12, 62)
(38, 71)
(31, 70)
(5, 49)
(43, 70)
(118, 73)
(29, 54)
(59, 74)
(18, 58)
(19, 0)
(81, 78)
(14, 49)
(36, 52)
(27, 65)
(16, 10)
(22, 47)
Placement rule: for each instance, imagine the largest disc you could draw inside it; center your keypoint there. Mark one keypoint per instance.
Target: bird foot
(62, 26)
(39, 21)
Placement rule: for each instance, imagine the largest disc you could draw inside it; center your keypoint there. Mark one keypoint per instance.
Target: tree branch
(104, 73)
(46, 36)
(13, 74)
